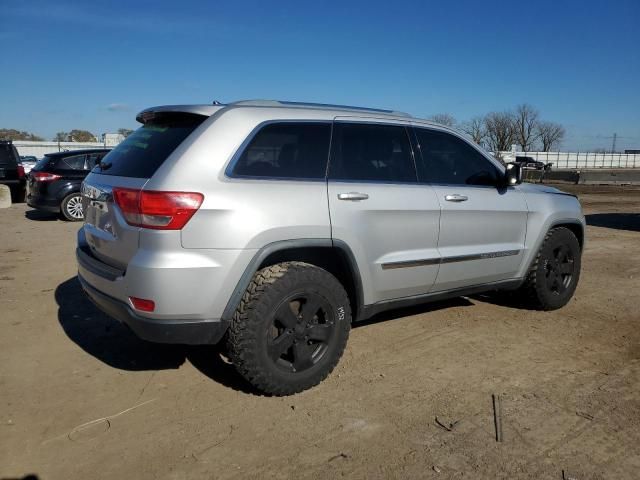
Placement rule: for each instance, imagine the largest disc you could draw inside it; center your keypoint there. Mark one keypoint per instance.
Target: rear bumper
(46, 205)
(188, 332)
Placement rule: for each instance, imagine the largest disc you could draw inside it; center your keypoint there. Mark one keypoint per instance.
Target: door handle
(456, 198)
(352, 196)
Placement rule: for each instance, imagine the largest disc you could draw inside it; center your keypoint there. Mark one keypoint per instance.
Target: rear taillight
(20, 171)
(44, 176)
(157, 210)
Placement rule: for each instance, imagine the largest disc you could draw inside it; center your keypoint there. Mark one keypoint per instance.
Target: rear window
(7, 155)
(142, 152)
(42, 163)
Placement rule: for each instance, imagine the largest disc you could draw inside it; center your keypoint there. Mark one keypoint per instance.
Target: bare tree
(551, 135)
(443, 119)
(525, 126)
(476, 129)
(499, 131)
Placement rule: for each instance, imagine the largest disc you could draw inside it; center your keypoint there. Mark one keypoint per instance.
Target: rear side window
(142, 152)
(368, 152)
(447, 159)
(286, 150)
(75, 162)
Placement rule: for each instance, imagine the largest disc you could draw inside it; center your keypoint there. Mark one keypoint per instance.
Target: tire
(17, 194)
(71, 207)
(554, 275)
(290, 328)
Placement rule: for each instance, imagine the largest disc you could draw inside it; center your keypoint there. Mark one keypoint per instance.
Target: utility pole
(613, 145)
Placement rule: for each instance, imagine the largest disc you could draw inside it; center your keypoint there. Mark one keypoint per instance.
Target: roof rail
(323, 106)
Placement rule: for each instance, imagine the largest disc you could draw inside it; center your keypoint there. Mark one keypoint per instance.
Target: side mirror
(512, 174)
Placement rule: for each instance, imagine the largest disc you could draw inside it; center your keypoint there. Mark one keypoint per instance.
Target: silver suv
(274, 225)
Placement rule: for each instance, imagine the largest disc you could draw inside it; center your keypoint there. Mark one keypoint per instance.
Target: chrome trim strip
(410, 263)
(480, 256)
(438, 261)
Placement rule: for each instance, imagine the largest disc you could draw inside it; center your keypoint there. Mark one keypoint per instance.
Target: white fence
(39, 149)
(577, 160)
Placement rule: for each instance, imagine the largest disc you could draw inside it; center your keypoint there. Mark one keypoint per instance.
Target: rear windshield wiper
(105, 166)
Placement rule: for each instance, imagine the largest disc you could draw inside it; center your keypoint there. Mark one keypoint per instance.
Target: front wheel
(71, 207)
(554, 275)
(290, 328)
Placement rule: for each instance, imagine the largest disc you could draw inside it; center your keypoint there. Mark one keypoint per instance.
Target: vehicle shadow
(114, 344)
(414, 310)
(107, 339)
(508, 299)
(619, 221)
(40, 216)
(211, 360)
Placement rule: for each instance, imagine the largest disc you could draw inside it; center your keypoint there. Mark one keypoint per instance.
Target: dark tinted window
(142, 152)
(371, 152)
(8, 155)
(75, 162)
(448, 159)
(93, 159)
(42, 163)
(286, 150)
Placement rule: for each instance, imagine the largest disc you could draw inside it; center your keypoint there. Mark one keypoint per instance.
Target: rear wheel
(71, 207)
(290, 328)
(554, 275)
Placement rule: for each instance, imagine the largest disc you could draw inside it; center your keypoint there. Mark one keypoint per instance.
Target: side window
(93, 159)
(75, 162)
(447, 159)
(286, 150)
(370, 152)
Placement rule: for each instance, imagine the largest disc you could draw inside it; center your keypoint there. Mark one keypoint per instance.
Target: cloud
(118, 107)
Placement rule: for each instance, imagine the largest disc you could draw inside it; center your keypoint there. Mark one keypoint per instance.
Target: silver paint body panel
(403, 236)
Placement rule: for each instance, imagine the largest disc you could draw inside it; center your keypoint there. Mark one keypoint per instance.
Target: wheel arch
(574, 226)
(334, 256)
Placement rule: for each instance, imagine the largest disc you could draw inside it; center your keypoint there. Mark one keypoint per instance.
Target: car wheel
(290, 328)
(71, 207)
(555, 272)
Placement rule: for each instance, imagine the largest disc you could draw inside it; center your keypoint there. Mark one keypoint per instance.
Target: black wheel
(554, 275)
(290, 328)
(71, 207)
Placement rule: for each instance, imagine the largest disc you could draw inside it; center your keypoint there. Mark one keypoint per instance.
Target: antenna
(613, 145)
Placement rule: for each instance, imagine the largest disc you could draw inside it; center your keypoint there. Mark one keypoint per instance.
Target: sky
(94, 65)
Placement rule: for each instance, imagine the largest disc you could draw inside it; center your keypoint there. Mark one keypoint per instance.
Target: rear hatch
(8, 162)
(111, 229)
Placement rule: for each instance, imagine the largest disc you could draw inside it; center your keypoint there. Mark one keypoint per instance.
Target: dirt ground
(82, 397)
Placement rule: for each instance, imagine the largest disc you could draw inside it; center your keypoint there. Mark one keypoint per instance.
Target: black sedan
(54, 183)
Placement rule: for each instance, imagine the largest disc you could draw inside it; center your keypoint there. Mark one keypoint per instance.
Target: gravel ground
(81, 397)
